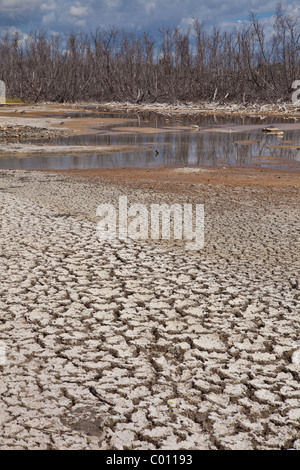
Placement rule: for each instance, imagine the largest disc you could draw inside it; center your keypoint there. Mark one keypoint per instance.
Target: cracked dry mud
(143, 345)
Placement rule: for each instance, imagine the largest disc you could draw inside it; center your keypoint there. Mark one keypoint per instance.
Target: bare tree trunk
(241, 64)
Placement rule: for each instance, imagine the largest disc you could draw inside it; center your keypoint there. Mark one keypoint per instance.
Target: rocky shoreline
(15, 133)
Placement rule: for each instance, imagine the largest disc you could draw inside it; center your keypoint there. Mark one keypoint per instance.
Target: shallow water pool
(178, 141)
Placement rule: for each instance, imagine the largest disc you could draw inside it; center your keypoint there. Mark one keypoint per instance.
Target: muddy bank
(185, 180)
(23, 121)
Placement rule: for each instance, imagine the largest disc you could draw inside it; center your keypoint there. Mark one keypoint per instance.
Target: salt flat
(143, 345)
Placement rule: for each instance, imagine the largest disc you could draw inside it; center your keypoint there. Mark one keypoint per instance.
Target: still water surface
(181, 141)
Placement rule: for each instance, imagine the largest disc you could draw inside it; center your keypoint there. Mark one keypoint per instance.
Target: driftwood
(285, 110)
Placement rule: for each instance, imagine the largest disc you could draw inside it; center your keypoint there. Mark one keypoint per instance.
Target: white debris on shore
(255, 109)
(192, 170)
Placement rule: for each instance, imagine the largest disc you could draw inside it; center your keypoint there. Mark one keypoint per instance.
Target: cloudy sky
(130, 15)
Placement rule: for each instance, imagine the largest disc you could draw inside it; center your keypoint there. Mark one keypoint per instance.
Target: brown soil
(174, 179)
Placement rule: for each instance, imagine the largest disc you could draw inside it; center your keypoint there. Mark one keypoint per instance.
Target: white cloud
(185, 23)
(17, 5)
(48, 6)
(113, 3)
(148, 5)
(78, 10)
(80, 22)
(49, 18)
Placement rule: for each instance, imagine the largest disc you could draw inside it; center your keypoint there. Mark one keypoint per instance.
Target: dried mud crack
(143, 345)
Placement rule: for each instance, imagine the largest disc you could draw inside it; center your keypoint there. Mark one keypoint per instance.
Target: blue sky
(130, 15)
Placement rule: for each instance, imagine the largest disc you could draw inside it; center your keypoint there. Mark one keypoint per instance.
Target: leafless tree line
(246, 64)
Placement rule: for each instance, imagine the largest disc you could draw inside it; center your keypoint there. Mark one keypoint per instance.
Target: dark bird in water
(156, 152)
